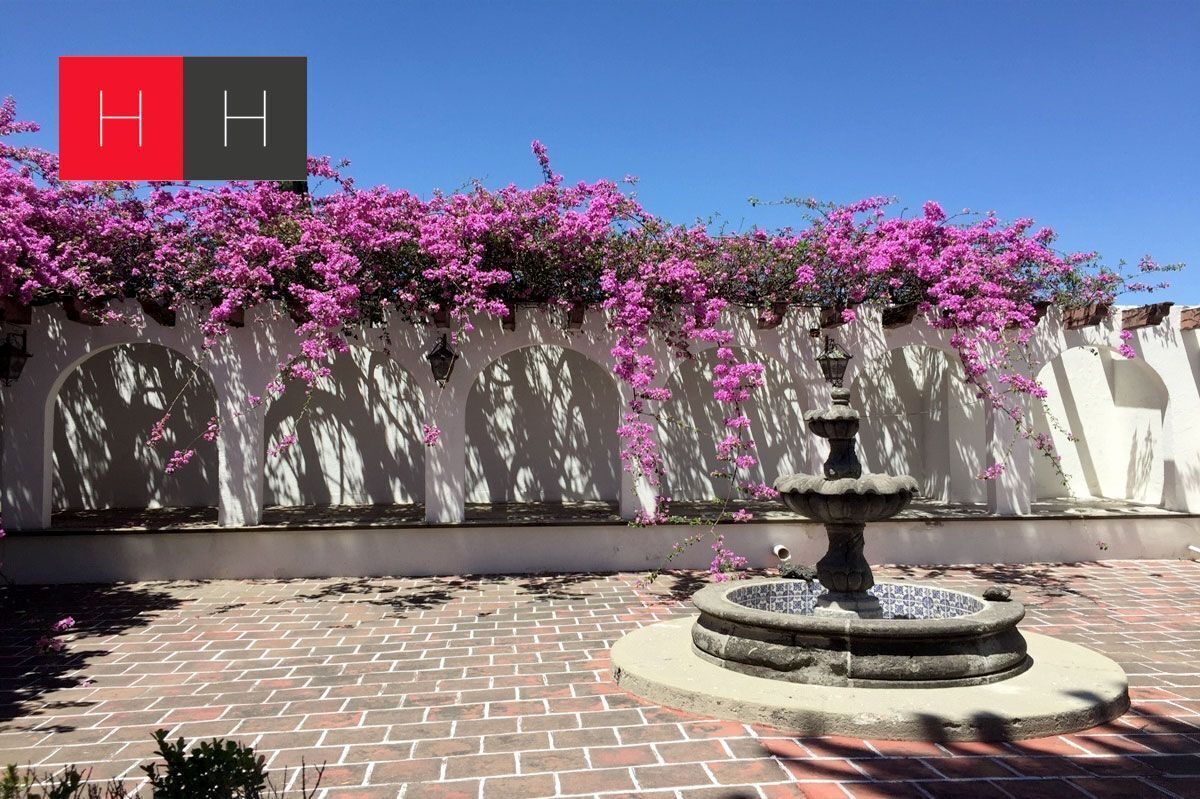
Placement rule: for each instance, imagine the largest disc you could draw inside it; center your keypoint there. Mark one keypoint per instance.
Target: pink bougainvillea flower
(158, 429)
(178, 460)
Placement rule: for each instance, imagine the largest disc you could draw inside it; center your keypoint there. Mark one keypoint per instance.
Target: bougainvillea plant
(336, 257)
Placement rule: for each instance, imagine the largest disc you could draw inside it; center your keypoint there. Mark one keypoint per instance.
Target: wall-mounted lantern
(441, 360)
(13, 356)
(833, 362)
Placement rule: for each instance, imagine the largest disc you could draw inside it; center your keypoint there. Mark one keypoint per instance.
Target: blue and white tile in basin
(898, 600)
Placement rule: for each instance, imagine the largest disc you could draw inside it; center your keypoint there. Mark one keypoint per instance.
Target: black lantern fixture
(833, 362)
(441, 360)
(13, 356)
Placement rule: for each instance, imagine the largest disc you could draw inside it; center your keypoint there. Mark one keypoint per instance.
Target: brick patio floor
(492, 687)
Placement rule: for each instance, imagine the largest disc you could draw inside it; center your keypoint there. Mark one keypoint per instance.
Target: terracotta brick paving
(496, 687)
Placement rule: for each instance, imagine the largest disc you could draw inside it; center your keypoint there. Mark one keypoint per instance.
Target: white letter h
(263, 118)
(111, 116)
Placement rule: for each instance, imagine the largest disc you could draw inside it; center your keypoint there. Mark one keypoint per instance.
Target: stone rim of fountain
(963, 640)
(714, 600)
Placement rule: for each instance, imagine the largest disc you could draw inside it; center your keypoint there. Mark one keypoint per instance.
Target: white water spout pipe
(783, 553)
(1194, 548)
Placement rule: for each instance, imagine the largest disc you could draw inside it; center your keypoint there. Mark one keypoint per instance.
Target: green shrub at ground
(71, 784)
(210, 770)
(216, 769)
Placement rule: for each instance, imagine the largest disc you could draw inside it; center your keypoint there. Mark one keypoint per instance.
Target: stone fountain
(843, 654)
(848, 630)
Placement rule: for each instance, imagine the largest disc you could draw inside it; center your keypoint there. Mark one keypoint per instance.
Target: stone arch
(920, 418)
(1115, 407)
(541, 425)
(693, 422)
(103, 406)
(480, 355)
(358, 443)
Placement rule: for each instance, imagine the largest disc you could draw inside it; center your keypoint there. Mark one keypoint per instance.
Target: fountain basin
(1066, 689)
(920, 636)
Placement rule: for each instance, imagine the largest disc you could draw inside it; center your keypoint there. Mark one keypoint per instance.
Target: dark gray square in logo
(245, 118)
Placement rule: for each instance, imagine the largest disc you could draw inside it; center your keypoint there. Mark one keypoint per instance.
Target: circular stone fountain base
(1066, 688)
(902, 635)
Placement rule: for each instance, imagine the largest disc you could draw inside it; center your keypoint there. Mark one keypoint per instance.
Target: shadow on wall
(693, 423)
(541, 425)
(920, 419)
(358, 442)
(102, 421)
(1115, 409)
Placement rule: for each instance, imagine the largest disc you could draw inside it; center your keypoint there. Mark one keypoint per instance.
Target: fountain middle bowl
(927, 637)
(868, 498)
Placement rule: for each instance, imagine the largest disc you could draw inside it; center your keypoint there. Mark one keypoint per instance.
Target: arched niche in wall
(692, 423)
(919, 418)
(103, 416)
(1114, 407)
(541, 426)
(358, 442)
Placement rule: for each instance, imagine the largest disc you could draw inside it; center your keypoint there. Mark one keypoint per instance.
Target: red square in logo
(120, 118)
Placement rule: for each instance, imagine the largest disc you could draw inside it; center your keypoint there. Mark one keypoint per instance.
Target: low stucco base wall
(432, 550)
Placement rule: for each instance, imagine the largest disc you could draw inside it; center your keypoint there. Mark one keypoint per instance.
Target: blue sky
(1084, 115)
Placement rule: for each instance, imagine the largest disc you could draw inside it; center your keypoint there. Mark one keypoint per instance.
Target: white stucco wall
(531, 414)
(919, 419)
(1115, 409)
(542, 425)
(358, 442)
(692, 423)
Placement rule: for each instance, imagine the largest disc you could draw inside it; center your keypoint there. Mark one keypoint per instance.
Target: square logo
(245, 118)
(120, 118)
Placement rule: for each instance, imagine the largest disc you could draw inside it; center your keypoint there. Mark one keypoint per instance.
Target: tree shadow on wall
(29, 679)
(692, 422)
(1135, 395)
(541, 427)
(893, 405)
(358, 443)
(1143, 463)
(907, 399)
(102, 420)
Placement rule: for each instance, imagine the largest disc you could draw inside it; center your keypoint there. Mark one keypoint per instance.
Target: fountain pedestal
(844, 568)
